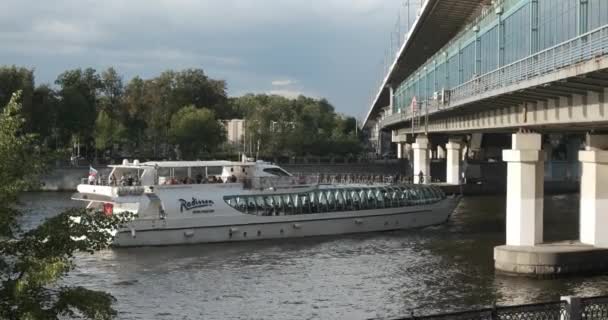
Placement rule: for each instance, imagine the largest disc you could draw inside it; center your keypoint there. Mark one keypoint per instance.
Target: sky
(321, 48)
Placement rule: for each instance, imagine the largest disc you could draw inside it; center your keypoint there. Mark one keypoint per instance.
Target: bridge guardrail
(585, 47)
(591, 308)
(579, 49)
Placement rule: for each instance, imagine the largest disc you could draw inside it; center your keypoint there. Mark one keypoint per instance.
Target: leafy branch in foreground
(32, 262)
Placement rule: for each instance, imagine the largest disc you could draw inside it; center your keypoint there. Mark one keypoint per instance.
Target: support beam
(525, 179)
(399, 150)
(594, 192)
(422, 163)
(453, 161)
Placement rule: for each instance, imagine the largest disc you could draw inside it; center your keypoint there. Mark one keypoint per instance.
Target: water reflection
(436, 269)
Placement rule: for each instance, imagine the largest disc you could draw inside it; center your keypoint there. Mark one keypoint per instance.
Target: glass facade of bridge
(520, 28)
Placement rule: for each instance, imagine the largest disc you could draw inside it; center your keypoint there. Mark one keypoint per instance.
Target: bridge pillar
(422, 162)
(400, 150)
(525, 182)
(453, 162)
(594, 192)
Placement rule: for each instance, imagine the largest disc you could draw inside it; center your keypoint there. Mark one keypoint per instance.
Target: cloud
(283, 83)
(332, 47)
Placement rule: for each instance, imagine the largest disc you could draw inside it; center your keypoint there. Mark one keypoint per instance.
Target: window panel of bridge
(430, 83)
(453, 71)
(517, 34)
(440, 76)
(489, 50)
(556, 21)
(468, 62)
(598, 13)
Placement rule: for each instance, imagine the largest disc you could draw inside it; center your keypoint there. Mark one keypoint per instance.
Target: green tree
(107, 131)
(78, 97)
(13, 79)
(33, 261)
(196, 131)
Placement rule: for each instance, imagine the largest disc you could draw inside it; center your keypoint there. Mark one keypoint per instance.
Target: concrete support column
(525, 182)
(453, 162)
(399, 150)
(422, 162)
(441, 152)
(408, 152)
(594, 191)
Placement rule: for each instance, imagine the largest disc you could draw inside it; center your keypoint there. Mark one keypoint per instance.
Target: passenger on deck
(123, 181)
(199, 178)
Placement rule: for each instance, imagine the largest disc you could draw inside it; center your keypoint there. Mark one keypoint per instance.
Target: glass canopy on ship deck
(335, 199)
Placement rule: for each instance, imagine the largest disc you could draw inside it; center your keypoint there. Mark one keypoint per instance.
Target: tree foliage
(196, 131)
(302, 126)
(33, 261)
(102, 112)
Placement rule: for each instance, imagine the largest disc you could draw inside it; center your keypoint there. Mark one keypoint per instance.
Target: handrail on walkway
(568, 308)
(585, 47)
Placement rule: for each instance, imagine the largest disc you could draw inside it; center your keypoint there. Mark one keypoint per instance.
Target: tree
(78, 103)
(196, 131)
(107, 131)
(32, 261)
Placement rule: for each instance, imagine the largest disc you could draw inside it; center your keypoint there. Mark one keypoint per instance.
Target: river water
(379, 275)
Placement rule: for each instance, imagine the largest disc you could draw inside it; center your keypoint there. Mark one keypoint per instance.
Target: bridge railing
(593, 308)
(582, 48)
(585, 47)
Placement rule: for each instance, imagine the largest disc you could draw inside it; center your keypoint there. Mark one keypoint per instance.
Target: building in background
(235, 131)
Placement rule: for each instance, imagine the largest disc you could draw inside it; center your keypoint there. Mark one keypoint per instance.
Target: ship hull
(167, 232)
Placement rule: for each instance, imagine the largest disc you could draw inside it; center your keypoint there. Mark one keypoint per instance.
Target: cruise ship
(188, 202)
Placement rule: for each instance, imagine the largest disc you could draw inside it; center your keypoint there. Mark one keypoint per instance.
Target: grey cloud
(330, 47)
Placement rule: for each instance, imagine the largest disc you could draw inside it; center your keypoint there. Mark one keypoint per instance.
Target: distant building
(235, 131)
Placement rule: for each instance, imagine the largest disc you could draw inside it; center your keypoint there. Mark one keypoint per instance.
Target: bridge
(467, 71)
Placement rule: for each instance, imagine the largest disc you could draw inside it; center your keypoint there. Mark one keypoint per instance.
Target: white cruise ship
(187, 202)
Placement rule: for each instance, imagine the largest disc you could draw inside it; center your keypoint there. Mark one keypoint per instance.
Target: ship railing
(359, 178)
(280, 182)
(108, 183)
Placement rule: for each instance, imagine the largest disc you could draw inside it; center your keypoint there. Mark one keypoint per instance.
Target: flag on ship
(92, 171)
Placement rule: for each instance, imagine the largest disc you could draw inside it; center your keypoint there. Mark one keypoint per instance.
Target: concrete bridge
(467, 71)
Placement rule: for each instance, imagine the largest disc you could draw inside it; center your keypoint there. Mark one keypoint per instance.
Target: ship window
(354, 196)
(288, 202)
(348, 203)
(331, 201)
(314, 202)
(372, 202)
(305, 203)
(363, 197)
(323, 206)
(251, 206)
(276, 172)
(278, 205)
(214, 171)
(339, 200)
(180, 173)
(242, 204)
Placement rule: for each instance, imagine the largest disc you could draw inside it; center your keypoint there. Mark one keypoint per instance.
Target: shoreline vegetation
(101, 118)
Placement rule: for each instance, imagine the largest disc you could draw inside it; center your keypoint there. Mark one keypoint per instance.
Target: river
(378, 275)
